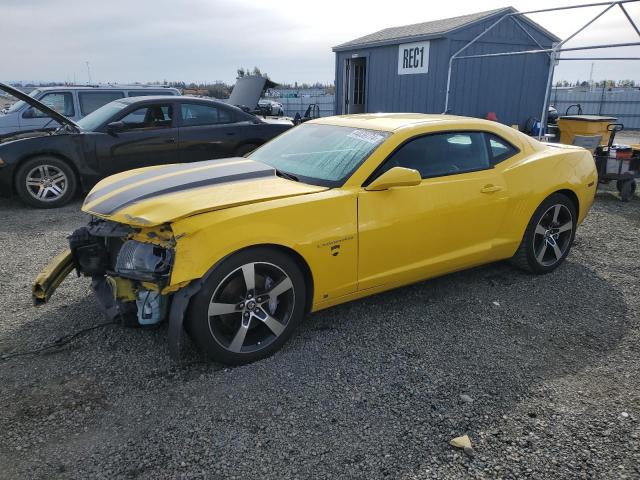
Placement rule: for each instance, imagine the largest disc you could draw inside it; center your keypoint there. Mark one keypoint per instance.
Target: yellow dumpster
(588, 125)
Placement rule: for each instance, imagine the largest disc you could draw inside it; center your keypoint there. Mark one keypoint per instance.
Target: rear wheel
(248, 307)
(627, 189)
(548, 237)
(45, 182)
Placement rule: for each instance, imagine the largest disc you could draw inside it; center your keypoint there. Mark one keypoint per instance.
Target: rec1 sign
(413, 58)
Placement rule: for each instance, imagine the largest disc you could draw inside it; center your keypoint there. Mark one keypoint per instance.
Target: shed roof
(431, 29)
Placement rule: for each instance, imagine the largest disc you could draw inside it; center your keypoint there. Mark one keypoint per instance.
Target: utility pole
(88, 72)
(591, 78)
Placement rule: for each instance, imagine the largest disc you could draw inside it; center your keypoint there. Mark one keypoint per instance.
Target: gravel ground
(541, 372)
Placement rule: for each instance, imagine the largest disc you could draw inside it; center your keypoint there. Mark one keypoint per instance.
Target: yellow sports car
(239, 250)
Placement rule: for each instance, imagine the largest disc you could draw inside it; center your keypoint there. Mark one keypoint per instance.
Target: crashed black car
(46, 168)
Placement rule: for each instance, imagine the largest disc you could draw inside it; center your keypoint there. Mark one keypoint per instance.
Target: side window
(90, 101)
(61, 102)
(150, 116)
(224, 116)
(499, 149)
(196, 114)
(442, 154)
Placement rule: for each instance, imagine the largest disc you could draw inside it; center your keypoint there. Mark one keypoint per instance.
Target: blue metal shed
(404, 69)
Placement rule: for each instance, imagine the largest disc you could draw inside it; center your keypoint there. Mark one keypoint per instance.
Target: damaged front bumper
(129, 270)
(51, 277)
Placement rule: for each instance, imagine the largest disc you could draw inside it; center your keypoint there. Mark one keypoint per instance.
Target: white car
(271, 107)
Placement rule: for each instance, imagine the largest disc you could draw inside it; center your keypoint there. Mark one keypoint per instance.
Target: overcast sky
(207, 40)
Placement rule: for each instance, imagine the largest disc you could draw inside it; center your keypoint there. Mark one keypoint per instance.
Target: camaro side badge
(334, 245)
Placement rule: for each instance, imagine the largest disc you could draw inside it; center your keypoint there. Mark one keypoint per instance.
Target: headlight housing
(144, 261)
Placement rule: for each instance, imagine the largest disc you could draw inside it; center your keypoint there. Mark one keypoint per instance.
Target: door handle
(490, 188)
(170, 140)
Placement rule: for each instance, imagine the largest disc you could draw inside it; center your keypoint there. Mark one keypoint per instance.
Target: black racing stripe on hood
(147, 174)
(181, 182)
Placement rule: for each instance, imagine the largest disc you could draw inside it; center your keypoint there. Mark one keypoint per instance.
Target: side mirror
(29, 113)
(115, 127)
(395, 177)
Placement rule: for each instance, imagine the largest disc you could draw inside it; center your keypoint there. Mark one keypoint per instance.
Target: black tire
(57, 185)
(243, 150)
(217, 334)
(537, 252)
(627, 189)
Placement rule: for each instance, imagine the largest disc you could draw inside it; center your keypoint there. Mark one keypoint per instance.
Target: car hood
(40, 106)
(248, 89)
(24, 134)
(162, 194)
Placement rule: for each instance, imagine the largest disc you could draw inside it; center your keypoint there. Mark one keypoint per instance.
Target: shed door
(355, 76)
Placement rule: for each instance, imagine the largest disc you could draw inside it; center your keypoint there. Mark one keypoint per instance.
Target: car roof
(386, 121)
(105, 87)
(390, 122)
(155, 98)
(394, 121)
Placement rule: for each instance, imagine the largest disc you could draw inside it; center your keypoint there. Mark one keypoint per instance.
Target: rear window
(91, 101)
(500, 149)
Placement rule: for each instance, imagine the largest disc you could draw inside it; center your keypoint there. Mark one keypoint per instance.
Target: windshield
(101, 115)
(320, 154)
(18, 105)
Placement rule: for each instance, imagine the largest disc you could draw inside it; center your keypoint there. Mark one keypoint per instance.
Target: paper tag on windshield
(366, 136)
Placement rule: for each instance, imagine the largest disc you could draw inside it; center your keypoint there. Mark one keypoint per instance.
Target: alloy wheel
(552, 236)
(46, 183)
(251, 307)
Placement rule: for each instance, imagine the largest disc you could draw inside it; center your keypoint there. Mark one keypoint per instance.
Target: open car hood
(162, 194)
(39, 106)
(248, 89)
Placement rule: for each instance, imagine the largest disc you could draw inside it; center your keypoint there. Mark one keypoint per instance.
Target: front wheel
(248, 307)
(549, 236)
(45, 182)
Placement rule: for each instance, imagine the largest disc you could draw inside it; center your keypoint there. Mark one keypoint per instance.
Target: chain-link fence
(293, 105)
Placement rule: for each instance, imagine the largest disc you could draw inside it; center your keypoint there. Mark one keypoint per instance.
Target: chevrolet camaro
(236, 251)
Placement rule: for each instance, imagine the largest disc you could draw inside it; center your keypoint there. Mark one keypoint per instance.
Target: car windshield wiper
(287, 175)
